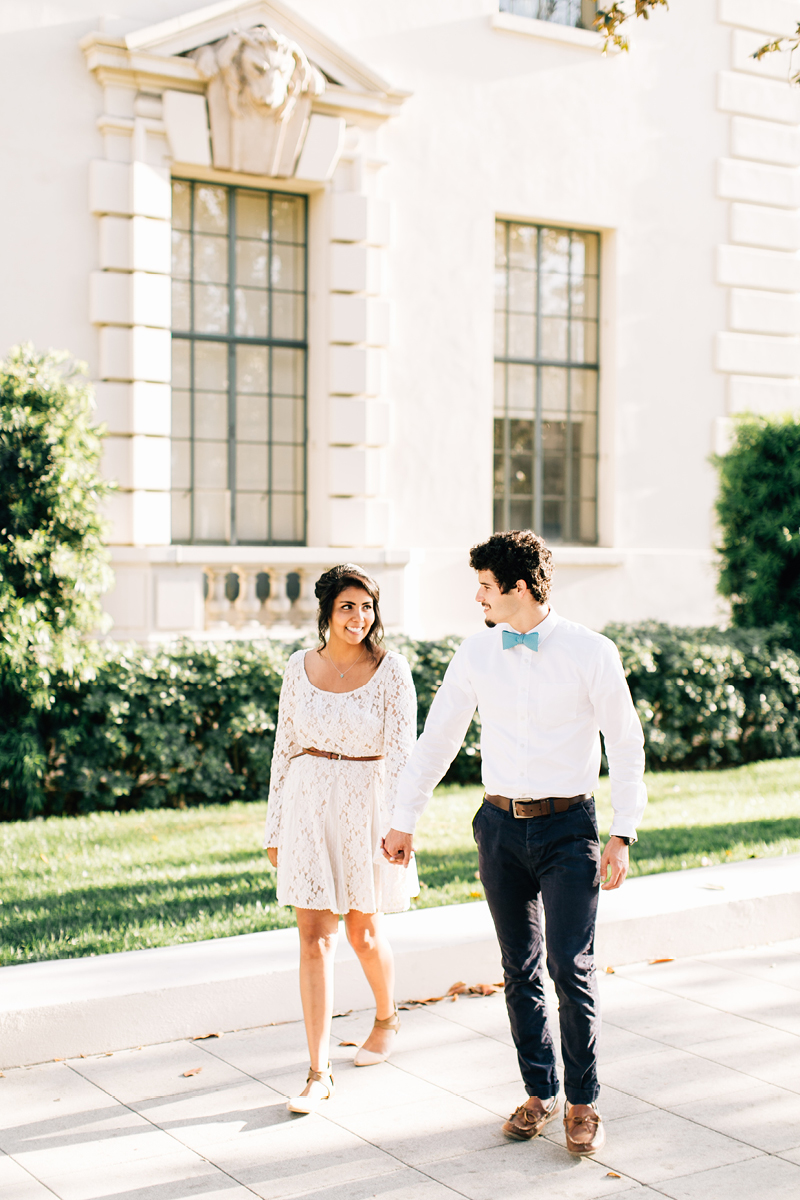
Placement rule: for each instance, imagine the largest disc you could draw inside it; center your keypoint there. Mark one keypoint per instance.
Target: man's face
(497, 606)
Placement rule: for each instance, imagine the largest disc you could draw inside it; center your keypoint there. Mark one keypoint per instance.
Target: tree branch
(610, 20)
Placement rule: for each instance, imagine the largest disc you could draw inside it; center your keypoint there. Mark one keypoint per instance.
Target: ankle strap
(320, 1076)
(392, 1022)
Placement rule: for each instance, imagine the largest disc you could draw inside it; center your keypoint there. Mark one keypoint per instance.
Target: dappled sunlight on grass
(107, 882)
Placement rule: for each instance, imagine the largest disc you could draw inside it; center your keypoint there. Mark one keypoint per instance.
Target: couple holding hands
(348, 785)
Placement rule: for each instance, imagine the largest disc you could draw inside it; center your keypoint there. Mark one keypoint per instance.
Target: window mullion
(538, 472)
(232, 361)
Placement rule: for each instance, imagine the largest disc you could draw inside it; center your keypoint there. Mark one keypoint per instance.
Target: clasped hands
(397, 848)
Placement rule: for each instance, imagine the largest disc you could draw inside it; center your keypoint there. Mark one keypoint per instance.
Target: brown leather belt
(525, 807)
(340, 757)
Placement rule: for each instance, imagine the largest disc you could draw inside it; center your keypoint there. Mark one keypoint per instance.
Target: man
(544, 687)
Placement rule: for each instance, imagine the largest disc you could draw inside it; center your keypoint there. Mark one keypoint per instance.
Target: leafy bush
(759, 513)
(53, 564)
(711, 697)
(195, 723)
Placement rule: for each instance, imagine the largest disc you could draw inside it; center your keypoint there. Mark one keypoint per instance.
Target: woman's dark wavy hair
(328, 587)
(517, 554)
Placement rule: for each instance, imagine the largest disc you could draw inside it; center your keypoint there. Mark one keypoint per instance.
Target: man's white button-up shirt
(541, 712)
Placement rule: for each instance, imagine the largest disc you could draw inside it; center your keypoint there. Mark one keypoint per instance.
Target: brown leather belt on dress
(340, 757)
(526, 807)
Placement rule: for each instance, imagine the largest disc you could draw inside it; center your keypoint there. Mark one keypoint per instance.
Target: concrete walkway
(701, 1094)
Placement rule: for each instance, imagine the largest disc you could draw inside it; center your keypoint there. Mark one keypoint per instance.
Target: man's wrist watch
(628, 841)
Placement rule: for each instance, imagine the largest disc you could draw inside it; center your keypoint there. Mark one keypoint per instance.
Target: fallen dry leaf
(348, 1043)
(203, 1037)
(193, 1071)
(454, 991)
(653, 961)
(110, 1054)
(58, 1060)
(610, 971)
(2, 1074)
(612, 1175)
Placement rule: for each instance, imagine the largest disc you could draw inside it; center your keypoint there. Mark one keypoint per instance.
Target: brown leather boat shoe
(585, 1130)
(530, 1118)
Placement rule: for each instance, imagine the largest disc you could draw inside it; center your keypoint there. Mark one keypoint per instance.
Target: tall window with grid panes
(546, 376)
(239, 353)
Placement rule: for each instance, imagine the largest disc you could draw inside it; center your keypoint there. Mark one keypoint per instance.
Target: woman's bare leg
(318, 931)
(365, 934)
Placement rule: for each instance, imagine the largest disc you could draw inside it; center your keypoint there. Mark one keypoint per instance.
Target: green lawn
(105, 882)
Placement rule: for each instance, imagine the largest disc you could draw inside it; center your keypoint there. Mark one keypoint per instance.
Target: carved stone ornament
(261, 88)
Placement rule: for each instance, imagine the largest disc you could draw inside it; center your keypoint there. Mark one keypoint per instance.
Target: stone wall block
(136, 244)
(349, 217)
(771, 228)
(750, 97)
(137, 462)
(179, 600)
(129, 189)
(741, 266)
(137, 353)
(745, 43)
(348, 318)
(186, 122)
(117, 461)
(764, 312)
(130, 299)
(379, 229)
(765, 16)
(152, 518)
(753, 354)
(378, 322)
(355, 471)
(118, 511)
(349, 268)
(322, 148)
(738, 180)
(348, 370)
(355, 371)
(358, 522)
(746, 394)
(764, 141)
(360, 422)
(134, 407)
(375, 271)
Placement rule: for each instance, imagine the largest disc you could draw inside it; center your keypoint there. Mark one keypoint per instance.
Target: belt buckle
(520, 816)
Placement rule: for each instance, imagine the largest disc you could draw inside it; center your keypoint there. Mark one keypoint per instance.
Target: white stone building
(366, 279)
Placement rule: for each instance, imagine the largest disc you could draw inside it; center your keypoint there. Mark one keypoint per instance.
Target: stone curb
(69, 1007)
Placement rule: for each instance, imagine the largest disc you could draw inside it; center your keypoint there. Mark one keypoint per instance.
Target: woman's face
(353, 615)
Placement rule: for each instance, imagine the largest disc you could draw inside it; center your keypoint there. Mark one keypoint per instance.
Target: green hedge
(711, 697)
(194, 723)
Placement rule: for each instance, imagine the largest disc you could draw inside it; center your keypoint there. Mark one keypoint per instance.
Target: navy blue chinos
(549, 863)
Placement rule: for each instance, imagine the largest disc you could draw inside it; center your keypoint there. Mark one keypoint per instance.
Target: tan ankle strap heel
(392, 1022)
(368, 1058)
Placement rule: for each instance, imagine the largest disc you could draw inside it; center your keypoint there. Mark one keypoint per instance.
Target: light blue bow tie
(531, 640)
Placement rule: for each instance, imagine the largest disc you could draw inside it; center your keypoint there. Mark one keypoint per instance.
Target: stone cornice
(114, 62)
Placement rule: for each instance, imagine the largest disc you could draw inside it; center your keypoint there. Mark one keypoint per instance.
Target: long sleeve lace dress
(327, 817)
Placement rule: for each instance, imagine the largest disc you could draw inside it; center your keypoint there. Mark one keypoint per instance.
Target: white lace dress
(327, 817)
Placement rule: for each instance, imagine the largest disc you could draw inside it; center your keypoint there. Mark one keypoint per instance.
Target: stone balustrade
(254, 596)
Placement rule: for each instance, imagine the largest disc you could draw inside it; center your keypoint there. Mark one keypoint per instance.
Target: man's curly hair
(517, 554)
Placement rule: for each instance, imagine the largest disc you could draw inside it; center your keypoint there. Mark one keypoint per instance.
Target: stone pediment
(163, 54)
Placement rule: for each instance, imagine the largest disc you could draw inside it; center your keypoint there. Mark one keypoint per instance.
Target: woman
(346, 726)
